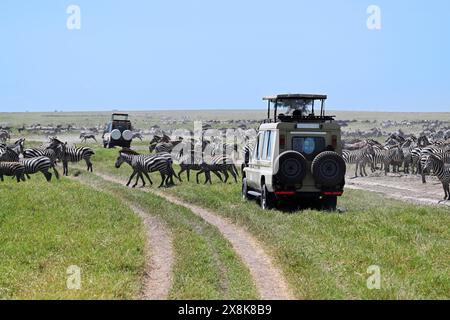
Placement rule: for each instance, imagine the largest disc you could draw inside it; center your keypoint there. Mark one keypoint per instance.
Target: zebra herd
(203, 157)
(415, 155)
(18, 162)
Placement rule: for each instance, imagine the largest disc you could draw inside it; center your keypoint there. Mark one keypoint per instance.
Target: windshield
(299, 107)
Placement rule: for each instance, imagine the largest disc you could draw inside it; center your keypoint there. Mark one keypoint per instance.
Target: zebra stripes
(71, 154)
(218, 164)
(442, 172)
(39, 164)
(12, 169)
(360, 157)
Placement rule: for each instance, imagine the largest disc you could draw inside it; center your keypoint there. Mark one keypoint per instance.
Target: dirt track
(407, 188)
(159, 255)
(268, 279)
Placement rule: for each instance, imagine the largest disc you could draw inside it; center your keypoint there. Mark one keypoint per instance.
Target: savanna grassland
(86, 220)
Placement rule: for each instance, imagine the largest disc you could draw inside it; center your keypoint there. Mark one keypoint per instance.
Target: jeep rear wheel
(328, 169)
(267, 199)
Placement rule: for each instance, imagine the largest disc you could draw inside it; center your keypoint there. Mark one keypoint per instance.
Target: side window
(266, 140)
(269, 146)
(260, 145)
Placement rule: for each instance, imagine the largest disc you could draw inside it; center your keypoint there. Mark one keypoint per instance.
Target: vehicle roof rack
(296, 97)
(297, 117)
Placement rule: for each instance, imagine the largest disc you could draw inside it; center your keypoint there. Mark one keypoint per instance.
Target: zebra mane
(128, 151)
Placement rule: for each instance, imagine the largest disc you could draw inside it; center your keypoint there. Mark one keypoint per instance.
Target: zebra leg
(233, 174)
(47, 175)
(89, 164)
(66, 168)
(56, 172)
(218, 176)
(142, 178)
(208, 177)
(163, 179)
(198, 173)
(447, 187)
(131, 177)
(179, 174)
(226, 175)
(28, 176)
(148, 177)
(1, 177)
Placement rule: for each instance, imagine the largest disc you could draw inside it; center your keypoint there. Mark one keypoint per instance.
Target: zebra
(39, 164)
(84, 136)
(218, 164)
(425, 153)
(37, 152)
(359, 157)
(247, 151)
(12, 169)
(137, 135)
(17, 146)
(4, 135)
(72, 154)
(32, 165)
(144, 164)
(436, 164)
(165, 147)
(393, 155)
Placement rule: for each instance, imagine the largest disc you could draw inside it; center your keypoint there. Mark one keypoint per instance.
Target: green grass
(47, 227)
(325, 256)
(206, 267)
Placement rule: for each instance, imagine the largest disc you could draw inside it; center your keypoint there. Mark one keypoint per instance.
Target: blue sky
(176, 54)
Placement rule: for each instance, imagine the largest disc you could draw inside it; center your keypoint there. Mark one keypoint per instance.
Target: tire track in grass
(159, 255)
(268, 279)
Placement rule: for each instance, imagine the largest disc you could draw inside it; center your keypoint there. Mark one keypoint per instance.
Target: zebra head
(125, 155)
(431, 162)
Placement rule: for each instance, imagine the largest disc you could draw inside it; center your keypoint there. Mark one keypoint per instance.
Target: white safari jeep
(297, 155)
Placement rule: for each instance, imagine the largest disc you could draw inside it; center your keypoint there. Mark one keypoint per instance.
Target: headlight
(115, 134)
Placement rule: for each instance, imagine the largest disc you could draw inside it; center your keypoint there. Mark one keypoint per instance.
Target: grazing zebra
(72, 154)
(360, 157)
(218, 164)
(436, 164)
(84, 136)
(144, 164)
(12, 169)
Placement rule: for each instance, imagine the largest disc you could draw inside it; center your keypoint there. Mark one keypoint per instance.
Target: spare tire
(127, 135)
(328, 169)
(115, 134)
(291, 168)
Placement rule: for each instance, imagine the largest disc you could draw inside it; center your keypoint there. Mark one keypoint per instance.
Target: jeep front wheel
(245, 195)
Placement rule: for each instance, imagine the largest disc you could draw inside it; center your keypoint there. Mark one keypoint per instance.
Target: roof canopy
(296, 97)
